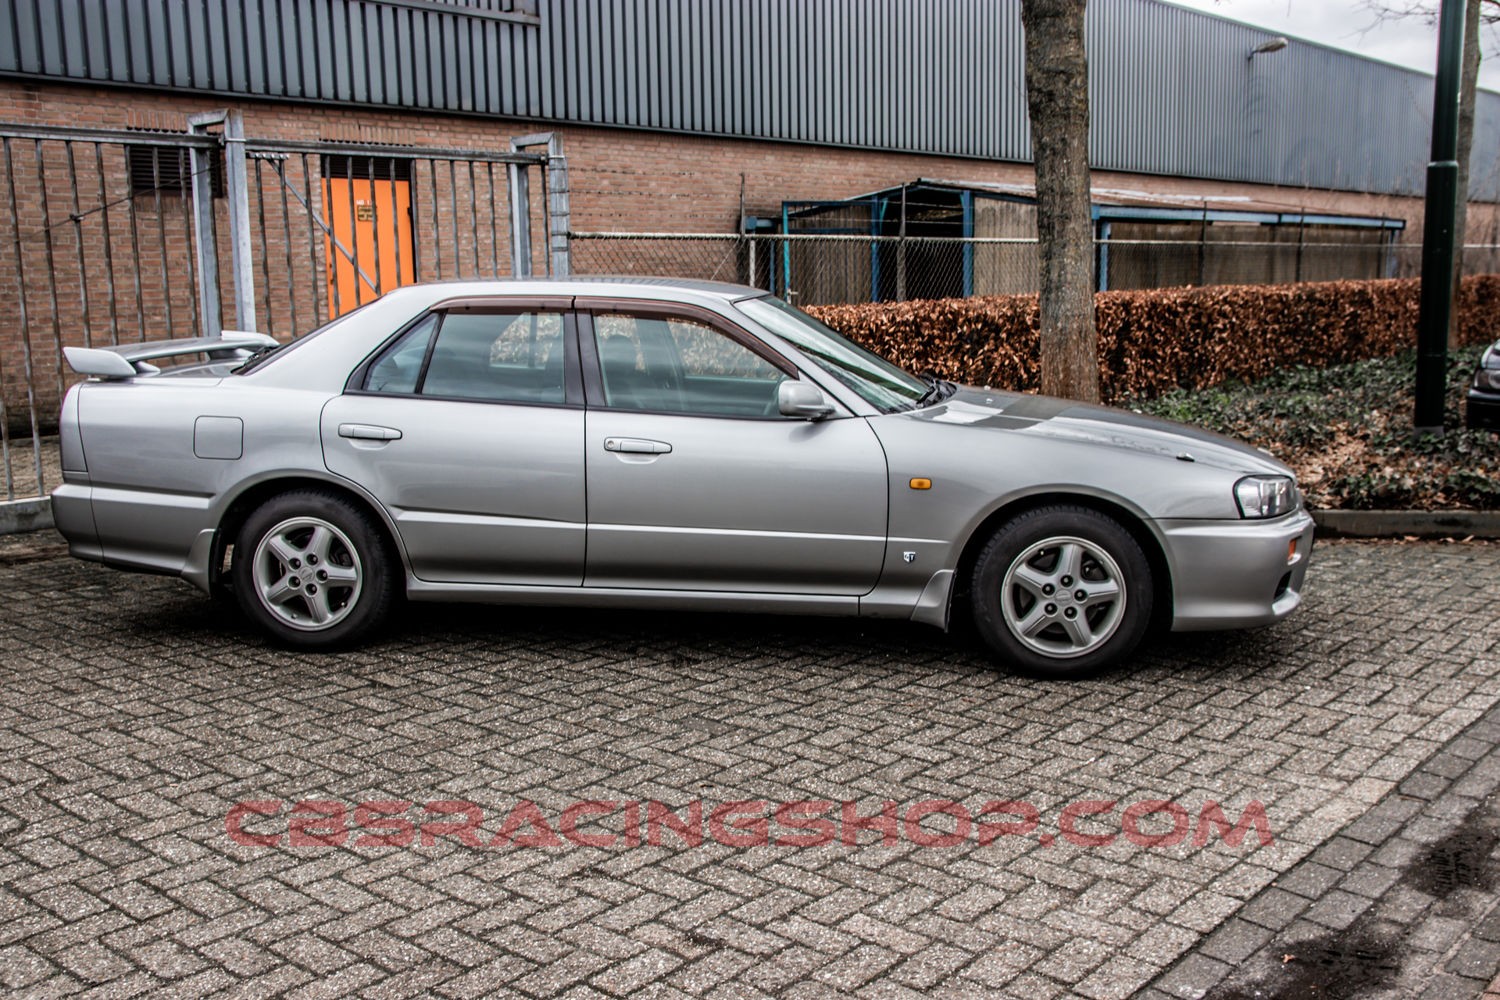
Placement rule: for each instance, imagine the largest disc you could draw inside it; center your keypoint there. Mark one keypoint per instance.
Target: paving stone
(138, 714)
(1310, 879)
(1342, 852)
(1438, 933)
(1193, 977)
(1410, 919)
(1448, 986)
(1120, 976)
(21, 967)
(1425, 785)
(1488, 929)
(1337, 910)
(1477, 959)
(856, 968)
(1235, 940)
(931, 965)
(1370, 880)
(1274, 908)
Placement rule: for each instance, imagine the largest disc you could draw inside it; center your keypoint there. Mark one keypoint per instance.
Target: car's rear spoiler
(129, 360)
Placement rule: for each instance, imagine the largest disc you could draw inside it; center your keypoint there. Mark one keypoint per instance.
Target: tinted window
(505, 358)
(400, 366)
(679, 365)
(877, 380)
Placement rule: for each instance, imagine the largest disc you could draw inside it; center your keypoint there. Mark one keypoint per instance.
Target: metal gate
(115, 236)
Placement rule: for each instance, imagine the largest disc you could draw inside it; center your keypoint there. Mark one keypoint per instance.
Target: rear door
(697, 482)
(469, 429)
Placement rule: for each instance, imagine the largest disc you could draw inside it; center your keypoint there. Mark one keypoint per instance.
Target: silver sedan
(658, 444)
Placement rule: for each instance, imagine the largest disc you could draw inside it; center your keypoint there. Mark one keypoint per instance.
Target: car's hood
(1066, 420)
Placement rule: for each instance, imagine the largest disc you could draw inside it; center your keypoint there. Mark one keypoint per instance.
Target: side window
(706, 353)
(399, 368)
(511, 357)
(681, 365)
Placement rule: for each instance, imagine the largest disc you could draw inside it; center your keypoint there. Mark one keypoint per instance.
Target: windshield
(876, 380)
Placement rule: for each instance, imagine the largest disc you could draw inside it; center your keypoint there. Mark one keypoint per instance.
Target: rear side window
(399, 368)
(490, 357)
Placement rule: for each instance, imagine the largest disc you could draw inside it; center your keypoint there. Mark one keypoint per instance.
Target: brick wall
(621, 180)
(645, 180)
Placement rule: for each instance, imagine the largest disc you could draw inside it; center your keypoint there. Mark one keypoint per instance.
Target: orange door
(377, 236)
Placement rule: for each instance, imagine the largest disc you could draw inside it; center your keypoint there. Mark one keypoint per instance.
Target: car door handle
(369, 432)
(637, 446)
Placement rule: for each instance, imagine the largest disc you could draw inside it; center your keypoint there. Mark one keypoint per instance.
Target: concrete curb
(17, 516)
(1401, 523)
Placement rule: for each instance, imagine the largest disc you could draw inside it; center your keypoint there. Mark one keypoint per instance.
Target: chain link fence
(830, 270)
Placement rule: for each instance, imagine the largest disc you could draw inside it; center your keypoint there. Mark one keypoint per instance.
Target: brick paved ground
(135, 714)
(1402, 903)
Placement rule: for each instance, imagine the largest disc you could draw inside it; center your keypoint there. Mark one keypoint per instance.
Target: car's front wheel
(1062, 591)
(312, 569)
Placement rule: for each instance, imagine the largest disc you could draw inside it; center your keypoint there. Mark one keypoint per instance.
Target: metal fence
(114, 236)
(827, 270)
(125, 235)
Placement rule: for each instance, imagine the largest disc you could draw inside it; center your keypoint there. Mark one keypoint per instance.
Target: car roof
(614, 286)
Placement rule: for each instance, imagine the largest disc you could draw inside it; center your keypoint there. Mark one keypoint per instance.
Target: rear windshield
(262, 358)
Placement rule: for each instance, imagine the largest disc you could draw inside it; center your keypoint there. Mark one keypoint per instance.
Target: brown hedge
(1155, 340)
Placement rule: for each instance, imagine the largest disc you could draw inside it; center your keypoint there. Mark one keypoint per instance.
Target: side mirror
(802, 399)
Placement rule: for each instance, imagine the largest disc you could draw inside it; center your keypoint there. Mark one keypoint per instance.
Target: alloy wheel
(1063, 597)
(307, 573)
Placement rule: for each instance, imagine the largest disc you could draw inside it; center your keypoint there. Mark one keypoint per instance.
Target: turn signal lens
(921, 484)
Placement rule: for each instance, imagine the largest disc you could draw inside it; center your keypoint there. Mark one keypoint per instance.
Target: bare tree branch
(1426, 11)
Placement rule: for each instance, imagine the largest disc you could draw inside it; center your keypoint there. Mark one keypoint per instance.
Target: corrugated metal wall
(1173, 90)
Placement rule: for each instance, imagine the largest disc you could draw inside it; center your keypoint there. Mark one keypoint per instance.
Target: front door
(695, 480)
(469, 429)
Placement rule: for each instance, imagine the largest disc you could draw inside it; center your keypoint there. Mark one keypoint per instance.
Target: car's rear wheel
(1062, 591)
(313, 570)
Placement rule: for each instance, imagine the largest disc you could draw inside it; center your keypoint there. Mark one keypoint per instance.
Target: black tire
(353, 582)
(1028, 551)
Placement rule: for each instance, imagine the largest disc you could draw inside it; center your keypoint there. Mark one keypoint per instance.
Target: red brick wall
(631, 180)
(621, 180)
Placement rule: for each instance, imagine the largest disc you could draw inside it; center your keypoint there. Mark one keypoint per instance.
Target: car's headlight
(1487, 379)
(1266, 496)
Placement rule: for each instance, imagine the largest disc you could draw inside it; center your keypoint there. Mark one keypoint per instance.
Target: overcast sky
(1349, 24)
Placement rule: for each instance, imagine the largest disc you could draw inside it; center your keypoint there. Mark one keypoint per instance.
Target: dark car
(1484, 393)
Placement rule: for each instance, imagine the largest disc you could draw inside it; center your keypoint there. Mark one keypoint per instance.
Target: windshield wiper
(938, 389)
(254, 360)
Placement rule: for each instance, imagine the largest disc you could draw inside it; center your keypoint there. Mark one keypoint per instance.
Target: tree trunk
(1467, 87)
(1057, 98)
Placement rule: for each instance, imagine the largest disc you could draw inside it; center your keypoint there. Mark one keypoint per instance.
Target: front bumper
(1482, 411)
(1236, 574)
